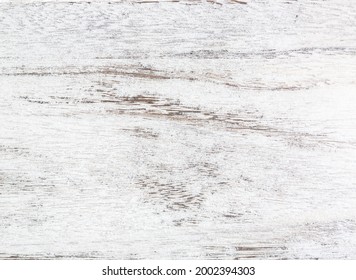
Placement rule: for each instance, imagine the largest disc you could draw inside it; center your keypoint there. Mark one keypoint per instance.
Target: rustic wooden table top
(178, 129)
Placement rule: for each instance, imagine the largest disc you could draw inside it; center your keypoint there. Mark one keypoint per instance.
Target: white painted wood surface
(178, 130)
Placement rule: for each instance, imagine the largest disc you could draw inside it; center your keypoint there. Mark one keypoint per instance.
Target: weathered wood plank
(178, 131)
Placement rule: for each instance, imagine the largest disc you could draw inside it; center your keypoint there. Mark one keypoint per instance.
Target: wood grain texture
(178, 129)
